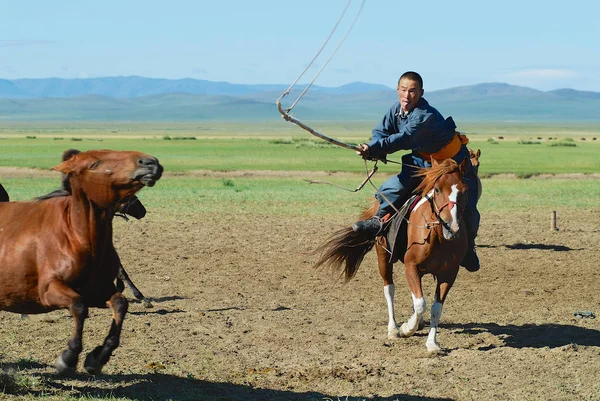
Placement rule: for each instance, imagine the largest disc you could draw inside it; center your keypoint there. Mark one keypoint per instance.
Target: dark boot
(471, 261)
(369, 227)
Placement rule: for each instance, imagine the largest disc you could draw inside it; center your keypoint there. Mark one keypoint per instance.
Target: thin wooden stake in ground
(553, 226)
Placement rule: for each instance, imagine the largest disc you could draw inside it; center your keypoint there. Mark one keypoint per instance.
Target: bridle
(438, 210)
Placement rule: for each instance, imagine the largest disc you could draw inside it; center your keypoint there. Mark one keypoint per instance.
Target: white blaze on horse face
(453, 223)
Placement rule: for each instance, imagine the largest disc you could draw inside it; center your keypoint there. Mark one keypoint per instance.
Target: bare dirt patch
(239, 313)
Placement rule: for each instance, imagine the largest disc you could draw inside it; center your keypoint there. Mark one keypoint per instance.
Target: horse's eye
(437, 190)
(95, 164)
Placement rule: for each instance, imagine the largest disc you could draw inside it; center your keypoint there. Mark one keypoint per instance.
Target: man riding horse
(413, 124)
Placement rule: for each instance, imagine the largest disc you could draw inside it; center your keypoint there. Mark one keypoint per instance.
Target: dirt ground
(240, 314)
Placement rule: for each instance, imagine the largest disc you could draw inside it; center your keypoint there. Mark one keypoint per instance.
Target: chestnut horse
(131, 206)
(58, 253)
(435, 242)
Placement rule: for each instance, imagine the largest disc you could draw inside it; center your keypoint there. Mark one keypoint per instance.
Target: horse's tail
(345, 249)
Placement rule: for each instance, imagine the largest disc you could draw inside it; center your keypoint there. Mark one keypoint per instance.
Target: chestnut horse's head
(474, 156)
(443, 184)
(108, 177)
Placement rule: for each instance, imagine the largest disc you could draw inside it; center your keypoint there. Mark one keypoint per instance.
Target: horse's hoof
(147, 304)
(393, 334)
(405, 331)
(434, 349)
(62, 368)
(91, 365)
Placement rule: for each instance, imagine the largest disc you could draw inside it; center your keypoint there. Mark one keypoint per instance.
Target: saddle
(395, 231)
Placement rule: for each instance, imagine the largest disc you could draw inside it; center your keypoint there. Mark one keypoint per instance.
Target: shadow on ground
(533, 336)
(160, 387)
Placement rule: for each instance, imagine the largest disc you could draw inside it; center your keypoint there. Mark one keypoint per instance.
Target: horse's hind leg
(95, 360)
(441, 291)
(389, 288)
(123, 277)
(60, 295)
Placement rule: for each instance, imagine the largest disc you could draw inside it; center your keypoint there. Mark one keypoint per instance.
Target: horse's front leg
(419, 305)
(389, 289)
(58, 294)
(441, 291)
(95, 360)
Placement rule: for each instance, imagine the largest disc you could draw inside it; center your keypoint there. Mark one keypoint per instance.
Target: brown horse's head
(443, 184)
(108, 177)
(474, 156)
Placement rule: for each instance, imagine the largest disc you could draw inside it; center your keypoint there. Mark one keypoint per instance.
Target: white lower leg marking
(388, 292)
(436, 315)
(419, 306)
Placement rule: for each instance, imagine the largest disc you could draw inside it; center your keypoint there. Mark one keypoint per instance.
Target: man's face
(409, 93)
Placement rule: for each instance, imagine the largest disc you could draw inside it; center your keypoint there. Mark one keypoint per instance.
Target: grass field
(517, 149)
(296, 156)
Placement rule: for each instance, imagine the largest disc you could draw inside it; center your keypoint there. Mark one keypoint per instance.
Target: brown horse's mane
(432, 174)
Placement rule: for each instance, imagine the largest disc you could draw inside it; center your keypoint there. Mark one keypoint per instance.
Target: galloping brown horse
(434, 242)
(131, 206)
(58, 253)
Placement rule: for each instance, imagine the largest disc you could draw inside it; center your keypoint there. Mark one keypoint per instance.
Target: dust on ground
(240, 313)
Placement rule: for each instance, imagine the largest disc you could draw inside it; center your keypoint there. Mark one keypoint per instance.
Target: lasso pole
(297, 122)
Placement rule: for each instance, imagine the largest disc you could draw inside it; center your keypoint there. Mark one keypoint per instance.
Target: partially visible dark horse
(3, 194)
(434, 241)
(58, 253)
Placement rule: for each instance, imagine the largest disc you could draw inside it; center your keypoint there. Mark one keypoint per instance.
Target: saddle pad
(396, 232)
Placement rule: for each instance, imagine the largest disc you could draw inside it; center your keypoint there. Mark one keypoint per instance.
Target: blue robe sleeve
(388, 139)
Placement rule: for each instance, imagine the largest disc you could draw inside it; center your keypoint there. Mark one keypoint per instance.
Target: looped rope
(319, 52)
(285, 113)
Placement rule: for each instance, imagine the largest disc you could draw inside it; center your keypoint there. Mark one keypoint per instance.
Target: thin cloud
(25, 43)
(199, 71)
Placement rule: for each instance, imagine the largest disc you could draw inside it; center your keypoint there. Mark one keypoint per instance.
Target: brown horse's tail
(346, 249)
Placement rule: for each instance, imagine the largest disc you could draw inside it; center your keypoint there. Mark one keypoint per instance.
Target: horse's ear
(65, 167)
(478, 153)
(463, 166)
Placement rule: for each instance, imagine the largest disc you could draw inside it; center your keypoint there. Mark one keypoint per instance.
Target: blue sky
(539, 44)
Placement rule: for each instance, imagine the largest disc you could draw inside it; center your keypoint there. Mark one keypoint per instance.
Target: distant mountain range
(150, 99)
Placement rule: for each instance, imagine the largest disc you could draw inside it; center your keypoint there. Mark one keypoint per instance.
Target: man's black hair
(413, 76)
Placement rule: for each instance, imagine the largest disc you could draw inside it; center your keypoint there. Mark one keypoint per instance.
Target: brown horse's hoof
(147, 304)
(91, 365)
(63, 369)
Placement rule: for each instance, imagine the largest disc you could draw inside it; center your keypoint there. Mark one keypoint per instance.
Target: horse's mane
(54, 194)
(430, 175)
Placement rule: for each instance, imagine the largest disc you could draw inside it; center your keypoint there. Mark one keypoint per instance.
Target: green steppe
(264, 167)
